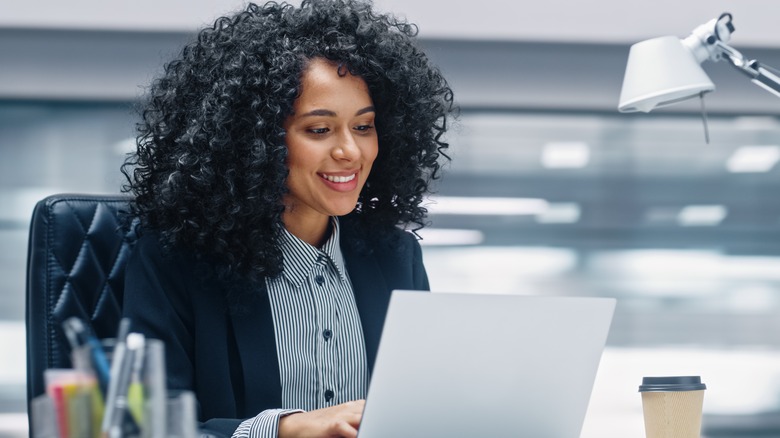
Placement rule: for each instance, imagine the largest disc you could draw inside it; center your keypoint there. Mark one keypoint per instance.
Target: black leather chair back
(75, 267)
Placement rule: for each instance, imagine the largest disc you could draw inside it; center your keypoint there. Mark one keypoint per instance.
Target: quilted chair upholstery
(75, 267)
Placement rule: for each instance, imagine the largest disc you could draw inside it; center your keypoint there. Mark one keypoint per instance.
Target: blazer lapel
(253, 328)
(372, 296)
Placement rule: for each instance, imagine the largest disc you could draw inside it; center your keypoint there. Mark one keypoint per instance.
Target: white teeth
(339, 179)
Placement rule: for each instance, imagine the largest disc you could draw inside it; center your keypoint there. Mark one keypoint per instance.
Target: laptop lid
(475, 365)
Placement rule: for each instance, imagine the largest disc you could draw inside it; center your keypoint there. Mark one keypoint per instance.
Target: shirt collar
(299, 258)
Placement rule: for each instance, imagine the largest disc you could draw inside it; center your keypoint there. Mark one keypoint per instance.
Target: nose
(346, 148)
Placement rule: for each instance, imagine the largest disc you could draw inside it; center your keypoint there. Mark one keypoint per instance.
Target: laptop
(456, 365)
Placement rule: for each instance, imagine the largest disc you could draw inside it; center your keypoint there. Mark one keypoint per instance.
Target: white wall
(595, 21)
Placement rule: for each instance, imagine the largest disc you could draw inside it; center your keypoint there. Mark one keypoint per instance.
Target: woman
(277, 161)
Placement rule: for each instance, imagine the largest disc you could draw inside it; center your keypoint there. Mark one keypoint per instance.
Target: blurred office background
(550, 190)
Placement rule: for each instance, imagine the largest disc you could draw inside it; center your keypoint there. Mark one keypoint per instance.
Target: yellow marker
(97, 407)
(135, 401)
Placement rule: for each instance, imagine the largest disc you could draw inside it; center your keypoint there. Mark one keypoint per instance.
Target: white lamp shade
(661, 71)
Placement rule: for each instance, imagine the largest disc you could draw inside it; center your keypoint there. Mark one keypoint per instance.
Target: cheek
(371, 151)
(297, 153)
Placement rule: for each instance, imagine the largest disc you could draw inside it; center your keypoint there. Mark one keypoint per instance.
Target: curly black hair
(210, 167)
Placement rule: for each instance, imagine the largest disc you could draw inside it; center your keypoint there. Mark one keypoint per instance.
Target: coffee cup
(672, 406)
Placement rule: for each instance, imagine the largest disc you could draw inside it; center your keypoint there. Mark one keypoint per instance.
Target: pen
(123, 422)
(80, 336)
(118, 381)
(124, 329)
(135, 390)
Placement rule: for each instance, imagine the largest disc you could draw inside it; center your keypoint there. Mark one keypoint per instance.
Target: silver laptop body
(474, 365)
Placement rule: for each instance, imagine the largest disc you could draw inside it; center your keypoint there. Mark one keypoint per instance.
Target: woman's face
(331, 142)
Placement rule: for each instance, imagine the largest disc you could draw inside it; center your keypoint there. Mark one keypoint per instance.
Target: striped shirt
(319, 337)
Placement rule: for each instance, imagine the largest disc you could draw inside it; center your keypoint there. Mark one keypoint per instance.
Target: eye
(318, 131)
(364, 128)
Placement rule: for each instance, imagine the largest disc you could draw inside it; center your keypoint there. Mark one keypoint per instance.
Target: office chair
(75, 267)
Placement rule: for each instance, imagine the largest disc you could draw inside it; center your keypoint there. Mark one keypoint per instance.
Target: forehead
(322, 84)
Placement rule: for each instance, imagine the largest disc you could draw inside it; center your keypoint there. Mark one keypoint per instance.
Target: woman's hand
(333, 422)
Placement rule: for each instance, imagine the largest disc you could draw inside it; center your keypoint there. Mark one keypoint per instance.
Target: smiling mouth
(338, 179)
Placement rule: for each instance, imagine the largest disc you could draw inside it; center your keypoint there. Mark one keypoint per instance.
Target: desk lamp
(666, 70)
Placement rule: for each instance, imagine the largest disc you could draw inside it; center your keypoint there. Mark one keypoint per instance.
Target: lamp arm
(758, 74)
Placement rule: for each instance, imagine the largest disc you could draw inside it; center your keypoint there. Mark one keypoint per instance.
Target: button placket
(326, 320)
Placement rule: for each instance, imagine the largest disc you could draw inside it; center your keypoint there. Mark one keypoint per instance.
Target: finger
(348, 414)
(353, 419)
(346, 430)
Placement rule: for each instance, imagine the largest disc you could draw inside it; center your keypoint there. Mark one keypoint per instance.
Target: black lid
(671, 383)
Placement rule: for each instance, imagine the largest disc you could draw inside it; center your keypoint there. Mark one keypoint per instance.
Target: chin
(343, 210)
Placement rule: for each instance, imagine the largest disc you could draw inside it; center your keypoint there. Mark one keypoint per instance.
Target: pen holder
(131, 376)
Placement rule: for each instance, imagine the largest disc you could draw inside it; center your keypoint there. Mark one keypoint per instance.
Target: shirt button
(329, 395)
(327, 334)
(320, 280)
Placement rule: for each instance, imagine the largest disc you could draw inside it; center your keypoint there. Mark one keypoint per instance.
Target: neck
(313, 233)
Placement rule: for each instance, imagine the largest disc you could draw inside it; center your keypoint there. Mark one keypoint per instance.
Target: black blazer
(228, 358)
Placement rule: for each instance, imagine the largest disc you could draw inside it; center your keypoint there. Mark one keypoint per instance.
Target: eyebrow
(329, 113)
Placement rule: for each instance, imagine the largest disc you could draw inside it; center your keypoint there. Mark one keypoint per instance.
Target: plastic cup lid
(671, 383)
